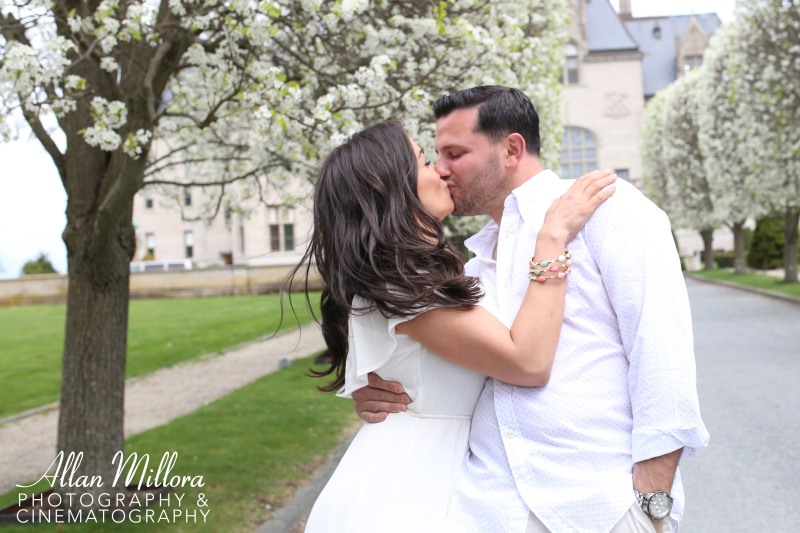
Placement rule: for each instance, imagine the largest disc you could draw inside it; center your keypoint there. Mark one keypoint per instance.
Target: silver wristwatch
(656, 505)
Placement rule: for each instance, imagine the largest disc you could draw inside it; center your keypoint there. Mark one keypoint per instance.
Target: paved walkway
(746, 348)
(28, 444)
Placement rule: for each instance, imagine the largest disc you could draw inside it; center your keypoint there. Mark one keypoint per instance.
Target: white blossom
(74, 23)
(111, 114)
(102, 137)
(109, 64)
(311, 5)
(74, 82)
(62, 106)
(351, 8)
(176, 6)
(135, 141)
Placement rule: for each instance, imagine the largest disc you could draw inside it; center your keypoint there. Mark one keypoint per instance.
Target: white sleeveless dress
(398, 475)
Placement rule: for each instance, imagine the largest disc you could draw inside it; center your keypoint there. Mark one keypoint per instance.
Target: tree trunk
(95, 346)
(790, 238)
(708, 248)
(100, 241)
(739, 252)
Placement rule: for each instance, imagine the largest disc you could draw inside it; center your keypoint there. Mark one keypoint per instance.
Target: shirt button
(509, 433)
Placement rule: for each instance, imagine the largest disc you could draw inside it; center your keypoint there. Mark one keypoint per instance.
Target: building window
(578, 153)
(281, 229)
(188, 241)
(570, 74)
(274, 238)
(241, 240)
(150, 246)
(187, 196)
(692, 62)
(288, 236)
(623, 173)
(656, 31)
(148, 201)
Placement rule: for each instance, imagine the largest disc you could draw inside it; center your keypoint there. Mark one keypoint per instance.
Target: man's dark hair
(501, 111)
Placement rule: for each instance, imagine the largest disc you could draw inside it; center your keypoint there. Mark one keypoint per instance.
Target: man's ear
(515, 149)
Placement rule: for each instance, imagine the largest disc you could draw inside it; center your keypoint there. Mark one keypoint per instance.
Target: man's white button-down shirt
(622, 388)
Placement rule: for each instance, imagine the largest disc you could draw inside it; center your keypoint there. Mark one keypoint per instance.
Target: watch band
(643, 498)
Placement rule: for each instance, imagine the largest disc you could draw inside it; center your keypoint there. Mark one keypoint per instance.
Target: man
(597, 449)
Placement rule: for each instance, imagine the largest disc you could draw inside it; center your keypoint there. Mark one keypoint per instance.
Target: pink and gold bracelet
(545, 269)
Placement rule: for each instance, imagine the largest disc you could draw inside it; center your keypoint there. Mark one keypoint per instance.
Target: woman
(396, 302)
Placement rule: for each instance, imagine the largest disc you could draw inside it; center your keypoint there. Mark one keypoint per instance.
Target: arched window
(578, 153)
(571, 65)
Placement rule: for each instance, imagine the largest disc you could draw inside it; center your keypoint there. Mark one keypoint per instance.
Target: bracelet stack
(545, 269)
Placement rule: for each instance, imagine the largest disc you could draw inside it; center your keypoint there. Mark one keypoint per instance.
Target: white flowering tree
(225, 91)
(654, 174)
(725, 133)
(769, 43)
(673, 162)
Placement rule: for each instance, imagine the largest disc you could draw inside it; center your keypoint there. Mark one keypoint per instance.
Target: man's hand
(656, 474)
(374, 402)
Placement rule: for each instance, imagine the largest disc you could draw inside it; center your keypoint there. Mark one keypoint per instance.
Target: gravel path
(28, 443)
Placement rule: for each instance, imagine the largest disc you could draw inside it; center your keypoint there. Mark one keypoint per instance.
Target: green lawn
(161, 333)
(251, 447)
(760, 281)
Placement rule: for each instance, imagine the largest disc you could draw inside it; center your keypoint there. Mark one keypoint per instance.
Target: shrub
(724, 259)
(40, 265)
(766, 247)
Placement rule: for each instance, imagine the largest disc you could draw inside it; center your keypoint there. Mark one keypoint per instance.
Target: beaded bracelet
(546, 269)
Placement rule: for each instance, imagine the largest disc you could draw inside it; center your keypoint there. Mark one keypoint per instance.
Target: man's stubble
(483, 190)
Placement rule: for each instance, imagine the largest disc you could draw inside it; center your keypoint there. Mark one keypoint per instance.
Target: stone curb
(757, 290)
(285, 519)
(28, 413)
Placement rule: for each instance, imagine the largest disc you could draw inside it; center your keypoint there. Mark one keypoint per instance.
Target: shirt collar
(482, 243)
(531, 199)
(535, 195)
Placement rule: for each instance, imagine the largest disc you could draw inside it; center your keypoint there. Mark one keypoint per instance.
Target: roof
(604, 29)
(659, 63)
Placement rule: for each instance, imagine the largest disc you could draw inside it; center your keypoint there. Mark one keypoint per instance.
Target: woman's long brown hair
(372, 237)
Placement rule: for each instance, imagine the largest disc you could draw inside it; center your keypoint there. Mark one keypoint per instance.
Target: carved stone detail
(616, 105)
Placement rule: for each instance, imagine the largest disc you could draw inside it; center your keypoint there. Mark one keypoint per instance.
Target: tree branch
(152, 68)
(189, 161)
(212, 215)
(221, 183)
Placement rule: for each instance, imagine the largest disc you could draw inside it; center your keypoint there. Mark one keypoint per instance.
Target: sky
(33, 201)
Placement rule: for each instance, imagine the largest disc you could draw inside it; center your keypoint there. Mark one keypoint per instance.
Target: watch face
(660, 505)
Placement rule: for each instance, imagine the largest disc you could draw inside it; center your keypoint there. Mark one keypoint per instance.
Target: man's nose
(441, 168)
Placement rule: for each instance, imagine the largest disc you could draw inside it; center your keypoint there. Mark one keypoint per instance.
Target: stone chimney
(625, 9)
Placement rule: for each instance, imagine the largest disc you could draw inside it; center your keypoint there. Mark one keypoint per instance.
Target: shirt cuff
(649, 443)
